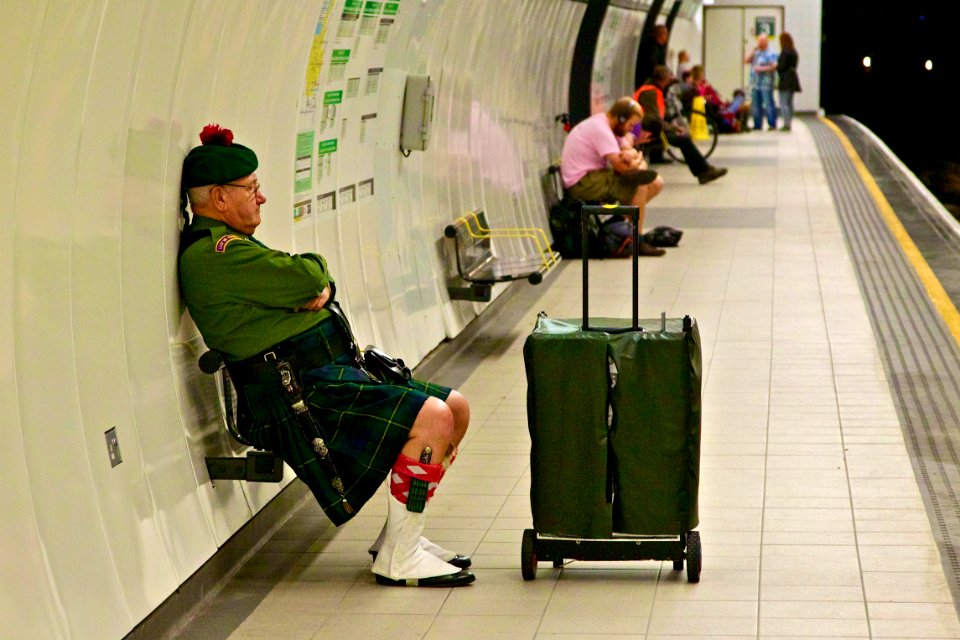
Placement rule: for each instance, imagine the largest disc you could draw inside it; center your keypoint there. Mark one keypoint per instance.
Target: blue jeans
(786, 107)
(763, 103)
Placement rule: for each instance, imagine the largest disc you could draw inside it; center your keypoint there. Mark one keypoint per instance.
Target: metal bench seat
(479, 264)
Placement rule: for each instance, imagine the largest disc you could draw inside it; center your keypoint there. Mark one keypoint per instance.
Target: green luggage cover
(614, 422)
(656, 429)
(567, 417)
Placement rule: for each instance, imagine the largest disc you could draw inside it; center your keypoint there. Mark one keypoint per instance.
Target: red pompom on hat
(214, 134)
(218, 160)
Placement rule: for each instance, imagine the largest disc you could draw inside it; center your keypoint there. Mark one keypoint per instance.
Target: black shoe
(458, 579)
(646, 249)
(459, 561)
(711, 174)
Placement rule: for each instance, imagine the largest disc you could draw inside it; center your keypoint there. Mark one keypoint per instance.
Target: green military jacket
(244, 296)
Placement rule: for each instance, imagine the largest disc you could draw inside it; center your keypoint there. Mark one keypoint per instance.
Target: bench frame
(481, 267)
(255, 466)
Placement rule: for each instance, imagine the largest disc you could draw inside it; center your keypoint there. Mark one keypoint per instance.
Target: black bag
(373, 361)
(565, 226)
(663, 237)
(385, 368)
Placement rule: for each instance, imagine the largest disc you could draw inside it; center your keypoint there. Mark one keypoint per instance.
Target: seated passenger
(268, 313)
(664, 114)
(727, 114)
(737, 112)
(710, 95)
(599, 163)
(685, 91)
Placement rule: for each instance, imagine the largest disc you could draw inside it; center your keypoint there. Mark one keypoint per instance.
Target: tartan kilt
(365, 424)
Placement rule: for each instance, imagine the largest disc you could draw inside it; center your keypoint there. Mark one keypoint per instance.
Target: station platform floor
(812, 518)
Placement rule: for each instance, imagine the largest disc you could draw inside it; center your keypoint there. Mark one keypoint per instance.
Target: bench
(256, 466)
(479, 264)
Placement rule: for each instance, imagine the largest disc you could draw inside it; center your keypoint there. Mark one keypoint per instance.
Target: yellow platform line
(935, 290)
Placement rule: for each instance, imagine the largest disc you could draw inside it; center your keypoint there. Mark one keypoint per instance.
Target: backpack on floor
(663, 237)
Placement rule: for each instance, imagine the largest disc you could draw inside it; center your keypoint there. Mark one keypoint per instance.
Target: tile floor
(811, 520)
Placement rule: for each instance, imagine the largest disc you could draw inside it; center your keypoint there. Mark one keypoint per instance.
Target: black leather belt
(316, 347)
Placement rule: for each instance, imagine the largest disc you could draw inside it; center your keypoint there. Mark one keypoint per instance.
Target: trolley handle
(620, 210)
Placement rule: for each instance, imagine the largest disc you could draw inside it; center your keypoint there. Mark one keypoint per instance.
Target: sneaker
(784, 128)
(645, 249)
(711, 174)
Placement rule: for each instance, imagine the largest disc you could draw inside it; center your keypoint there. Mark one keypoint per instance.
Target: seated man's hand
(644, 137)
(319, 302)
(630, 156)
(632, 160)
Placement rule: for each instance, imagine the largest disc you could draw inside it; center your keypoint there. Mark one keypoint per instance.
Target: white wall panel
(151, 309)
(55, 449)
(616, 57)
(125, 504)
(29, 603)
(208, 89)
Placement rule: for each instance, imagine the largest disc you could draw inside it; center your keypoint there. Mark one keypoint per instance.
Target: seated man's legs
(365, 426)
(691, 155)
(697, 164)
(405, 557)
(637, 189)
(420, 435)
(645, 194)
(653, 189)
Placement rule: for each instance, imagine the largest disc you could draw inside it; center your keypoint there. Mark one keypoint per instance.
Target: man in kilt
(300, 390)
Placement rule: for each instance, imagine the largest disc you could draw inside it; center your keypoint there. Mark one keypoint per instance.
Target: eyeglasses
(253, 190)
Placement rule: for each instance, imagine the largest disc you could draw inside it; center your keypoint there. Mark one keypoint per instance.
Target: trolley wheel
(678, 565)
(528, 555)
(694, 556)
(535, 278)
(557, 563)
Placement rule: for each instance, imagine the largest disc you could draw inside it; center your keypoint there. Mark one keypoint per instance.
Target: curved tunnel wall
(103, 99)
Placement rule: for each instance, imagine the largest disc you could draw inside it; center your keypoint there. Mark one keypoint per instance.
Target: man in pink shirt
(600, 164)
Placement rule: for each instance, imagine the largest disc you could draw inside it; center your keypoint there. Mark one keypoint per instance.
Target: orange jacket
(645, 100)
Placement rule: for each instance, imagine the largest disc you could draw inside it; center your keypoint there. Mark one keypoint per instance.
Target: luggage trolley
(613, 409)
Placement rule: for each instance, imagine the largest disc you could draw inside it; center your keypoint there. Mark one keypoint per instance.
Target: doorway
(728, 35)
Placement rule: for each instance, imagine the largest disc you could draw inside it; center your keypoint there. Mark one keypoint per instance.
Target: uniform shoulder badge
(225, 240)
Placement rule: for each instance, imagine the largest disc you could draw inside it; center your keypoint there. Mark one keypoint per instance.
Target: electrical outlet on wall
(113, 446)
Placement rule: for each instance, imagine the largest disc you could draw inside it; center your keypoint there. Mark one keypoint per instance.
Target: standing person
(763, 64)
(683, 63)
(599, 163)
(663, 113)
(299, 388)
(788, 82)
(653, 52)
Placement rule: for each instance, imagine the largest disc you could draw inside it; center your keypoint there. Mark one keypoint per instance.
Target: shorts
(608, 187)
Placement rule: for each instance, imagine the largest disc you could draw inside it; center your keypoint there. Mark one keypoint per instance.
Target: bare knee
(433, 427)
(654, 188)
(460, 409)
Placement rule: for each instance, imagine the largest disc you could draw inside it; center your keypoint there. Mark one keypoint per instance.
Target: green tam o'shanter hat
(218, 160)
